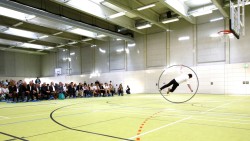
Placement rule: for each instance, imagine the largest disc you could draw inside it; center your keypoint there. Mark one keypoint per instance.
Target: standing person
(120, 90)
(38, 81)
(177, 81)
(128, 90)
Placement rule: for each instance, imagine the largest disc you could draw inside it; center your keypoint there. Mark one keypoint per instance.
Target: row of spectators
(20, 91)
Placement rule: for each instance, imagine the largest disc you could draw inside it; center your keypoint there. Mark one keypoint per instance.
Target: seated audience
(128, 90)
(120, 90)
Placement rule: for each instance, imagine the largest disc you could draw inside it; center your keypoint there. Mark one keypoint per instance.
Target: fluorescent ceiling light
(72, 53)
(44, 36)
(216, 19)
(144, 26)
(60, 45)
(100, 36)
(57, 33)
(83, 32)
(93, 45)
(117, 15)
(31, 41)
(118, 39)
(15, 14)
(22, 33)
(102, 51)
(183, 38)
(170, 20)
(131, 45)
(72, 43)
(127, 50)
(20, 23)
(146, 7)
(196, 14)
(87, 39)
(34, 46)
(120, 50)
(48, 48)
(29, 17)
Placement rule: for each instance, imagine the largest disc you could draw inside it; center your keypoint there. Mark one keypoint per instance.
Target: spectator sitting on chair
(120, 90)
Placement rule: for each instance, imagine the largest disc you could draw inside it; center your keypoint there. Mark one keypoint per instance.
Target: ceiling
(43, 26)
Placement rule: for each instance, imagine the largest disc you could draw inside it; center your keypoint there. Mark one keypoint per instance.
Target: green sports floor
(139, 117)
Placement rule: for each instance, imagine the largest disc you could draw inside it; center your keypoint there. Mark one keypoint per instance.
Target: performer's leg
(175, 85)
(167, 85)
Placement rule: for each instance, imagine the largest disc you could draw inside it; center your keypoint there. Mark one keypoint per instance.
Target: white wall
(181, 52)
(19, 65)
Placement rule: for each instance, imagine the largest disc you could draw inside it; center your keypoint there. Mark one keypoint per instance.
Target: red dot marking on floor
(144, 123)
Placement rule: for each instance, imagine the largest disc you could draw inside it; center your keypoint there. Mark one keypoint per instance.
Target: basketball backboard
(237, 18)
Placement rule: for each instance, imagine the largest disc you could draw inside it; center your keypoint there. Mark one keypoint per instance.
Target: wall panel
(210, 49)
(117, 55)
(156, 49)
(181, 52)
(75, 64)
(102, 57)
(136, 55)
(88, 60)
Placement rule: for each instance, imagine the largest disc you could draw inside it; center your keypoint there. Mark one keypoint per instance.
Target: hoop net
(224, 35)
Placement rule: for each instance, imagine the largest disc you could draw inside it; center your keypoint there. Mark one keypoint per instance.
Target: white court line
(169, 124)
(218, 107)
(223, 120)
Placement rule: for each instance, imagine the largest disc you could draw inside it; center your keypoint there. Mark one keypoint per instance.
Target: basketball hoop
(225, 32)
(224, 35)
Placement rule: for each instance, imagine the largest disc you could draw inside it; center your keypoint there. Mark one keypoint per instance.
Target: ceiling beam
(219, 5)
(122, 21)
(21, 51)
(55, 36)
(183, 14)
(59, 19)
(146, 14)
